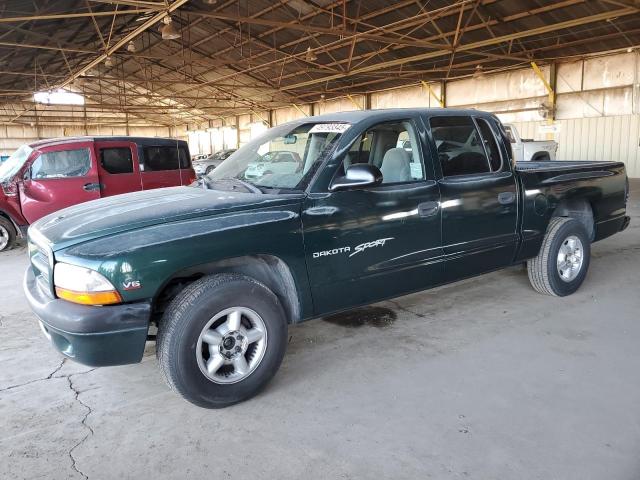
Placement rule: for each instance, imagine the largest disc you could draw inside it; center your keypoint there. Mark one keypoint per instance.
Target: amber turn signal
(89, 298)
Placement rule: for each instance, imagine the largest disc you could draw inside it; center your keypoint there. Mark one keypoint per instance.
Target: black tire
(187, 316)
(543, 269)
(209, 170)
(9, 231)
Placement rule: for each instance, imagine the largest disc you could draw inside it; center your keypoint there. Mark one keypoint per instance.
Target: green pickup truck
(377, 204)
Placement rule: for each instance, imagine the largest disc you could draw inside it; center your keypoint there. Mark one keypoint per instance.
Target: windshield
(283, 156)
(14, 163)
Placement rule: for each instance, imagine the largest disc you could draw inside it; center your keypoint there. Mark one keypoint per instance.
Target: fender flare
(270, 270)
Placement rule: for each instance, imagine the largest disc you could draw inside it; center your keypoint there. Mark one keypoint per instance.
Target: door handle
(89, 187)
(428, 209)
(505, 198)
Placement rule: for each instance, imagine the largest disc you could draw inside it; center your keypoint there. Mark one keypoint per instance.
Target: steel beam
(471, 46)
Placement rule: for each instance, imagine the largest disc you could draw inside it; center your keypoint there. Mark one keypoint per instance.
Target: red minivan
(48, 175)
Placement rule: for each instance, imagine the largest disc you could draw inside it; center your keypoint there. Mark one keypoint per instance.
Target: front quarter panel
(140, 263)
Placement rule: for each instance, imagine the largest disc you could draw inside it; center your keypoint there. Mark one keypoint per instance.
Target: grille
(40, 258)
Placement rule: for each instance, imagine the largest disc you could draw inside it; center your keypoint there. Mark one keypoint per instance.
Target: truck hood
(131, 211)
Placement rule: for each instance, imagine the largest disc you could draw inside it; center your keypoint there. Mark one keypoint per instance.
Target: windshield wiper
(249, 186)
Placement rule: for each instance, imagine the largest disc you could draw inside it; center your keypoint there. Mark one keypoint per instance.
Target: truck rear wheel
(562, 263)
(221, 340)
(7, 234)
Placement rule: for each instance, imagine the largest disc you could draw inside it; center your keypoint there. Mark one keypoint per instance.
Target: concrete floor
(482, 379)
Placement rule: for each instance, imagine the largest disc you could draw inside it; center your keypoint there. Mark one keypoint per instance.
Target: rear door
(164, 166)
(478, 195)
(60, 176)
(118, 167)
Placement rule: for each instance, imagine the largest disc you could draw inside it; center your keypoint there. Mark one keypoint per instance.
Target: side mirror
(358, 175)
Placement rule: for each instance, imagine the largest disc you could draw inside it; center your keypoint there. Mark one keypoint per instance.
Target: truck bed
(567, 165)
(595, 191)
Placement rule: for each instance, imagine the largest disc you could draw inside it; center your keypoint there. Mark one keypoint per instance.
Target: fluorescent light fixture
(58, 97)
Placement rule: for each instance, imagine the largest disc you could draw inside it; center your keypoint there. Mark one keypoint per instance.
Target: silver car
(203, 166)
(281, 162)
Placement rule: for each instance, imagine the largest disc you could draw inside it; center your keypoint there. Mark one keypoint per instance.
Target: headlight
(84, 286)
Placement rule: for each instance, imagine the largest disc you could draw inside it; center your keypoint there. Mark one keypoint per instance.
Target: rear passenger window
(62, 164)
(165, 158)
(116, 160)
(490, 144)
(459, 146)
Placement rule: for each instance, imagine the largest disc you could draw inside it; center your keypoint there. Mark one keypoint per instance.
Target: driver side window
(61, 164)
(393, 148)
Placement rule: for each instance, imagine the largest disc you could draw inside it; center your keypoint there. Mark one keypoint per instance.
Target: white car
(525, 149)
(280, 162)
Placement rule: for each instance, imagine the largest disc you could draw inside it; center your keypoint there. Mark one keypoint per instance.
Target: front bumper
(94, 336)
(625, 223)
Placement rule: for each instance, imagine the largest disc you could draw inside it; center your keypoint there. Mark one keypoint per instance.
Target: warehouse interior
(237, 68)
(483, 378)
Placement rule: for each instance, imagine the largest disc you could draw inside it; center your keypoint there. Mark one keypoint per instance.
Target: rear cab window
(490, 144)
(465, 145)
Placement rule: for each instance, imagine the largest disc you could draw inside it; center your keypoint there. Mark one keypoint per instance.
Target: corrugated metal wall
(597, 138)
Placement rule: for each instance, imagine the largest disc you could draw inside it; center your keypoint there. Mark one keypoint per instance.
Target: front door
(479, 196)
(60, 176)
(367, 244)
(118, 168)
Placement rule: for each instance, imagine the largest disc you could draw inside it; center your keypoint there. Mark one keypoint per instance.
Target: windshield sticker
(356, 250)
(330, 128)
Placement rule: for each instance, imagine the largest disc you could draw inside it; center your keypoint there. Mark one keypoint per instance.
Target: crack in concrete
(48, 377)
(90, 433)
(57, 369)
(76, 392)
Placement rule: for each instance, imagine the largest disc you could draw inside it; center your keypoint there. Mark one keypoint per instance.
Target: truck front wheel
(221, 340)
(7, 234)
(562, 263)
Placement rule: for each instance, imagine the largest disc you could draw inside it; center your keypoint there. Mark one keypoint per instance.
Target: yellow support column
(358, 106)
(300, 110)
(432, 93)
(551, 92)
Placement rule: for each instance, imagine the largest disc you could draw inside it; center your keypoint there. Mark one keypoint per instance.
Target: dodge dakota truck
(221, 268)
